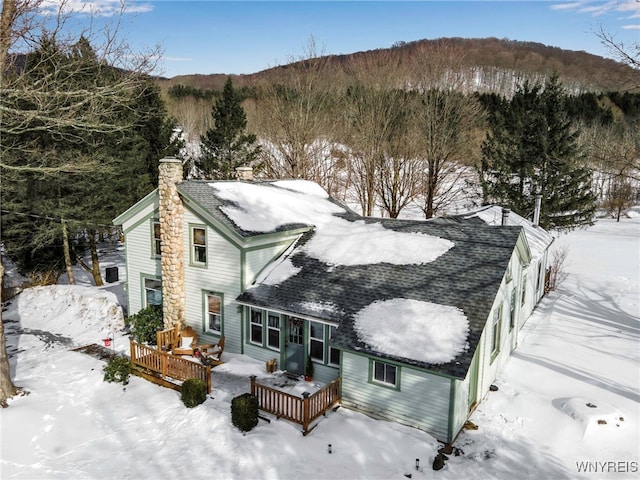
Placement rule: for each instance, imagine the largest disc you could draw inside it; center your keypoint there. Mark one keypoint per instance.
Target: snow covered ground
(577, 365)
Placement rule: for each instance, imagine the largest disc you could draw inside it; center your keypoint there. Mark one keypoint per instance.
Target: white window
(198, 245)
(273, 331)
(524, 290)
(334, 353)
(156, 238)
(512, 309)
(540, 277)
(316, 341)
(214, 314)
(496, 326)
(153, 292)
(385, 373)
(256, 326)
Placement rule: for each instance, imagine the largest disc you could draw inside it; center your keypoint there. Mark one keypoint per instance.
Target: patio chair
(187, 342)
(211, 354)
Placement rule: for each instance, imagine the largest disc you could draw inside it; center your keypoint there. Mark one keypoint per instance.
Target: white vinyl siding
(422, 401)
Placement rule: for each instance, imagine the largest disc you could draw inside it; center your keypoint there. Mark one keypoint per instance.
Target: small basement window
(385, 373)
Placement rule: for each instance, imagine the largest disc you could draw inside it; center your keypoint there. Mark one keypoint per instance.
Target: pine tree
(226, 146)
(531, 149)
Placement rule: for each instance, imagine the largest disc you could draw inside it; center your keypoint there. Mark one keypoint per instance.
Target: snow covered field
(577, 365)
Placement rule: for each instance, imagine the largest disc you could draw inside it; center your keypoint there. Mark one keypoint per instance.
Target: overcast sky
(247, 36)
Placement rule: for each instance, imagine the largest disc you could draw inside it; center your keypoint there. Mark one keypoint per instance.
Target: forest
(420, 129)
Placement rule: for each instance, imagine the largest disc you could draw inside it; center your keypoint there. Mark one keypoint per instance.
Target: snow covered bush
(145, 324)
(117, 369)
(244, 412)
(194, 392)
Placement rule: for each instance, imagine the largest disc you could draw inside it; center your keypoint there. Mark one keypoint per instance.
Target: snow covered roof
(537, 237)
(267, 207)
(414, 291)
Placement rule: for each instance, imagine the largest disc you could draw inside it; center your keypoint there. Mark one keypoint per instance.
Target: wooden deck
(166, 369)
(301, 410)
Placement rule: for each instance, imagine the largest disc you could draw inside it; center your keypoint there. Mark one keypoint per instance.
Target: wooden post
(305, 412)
(132, 351)
(253, 384)
(209, 378)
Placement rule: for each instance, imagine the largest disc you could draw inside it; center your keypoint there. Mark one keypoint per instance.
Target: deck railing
(169, 366)
(301, 410)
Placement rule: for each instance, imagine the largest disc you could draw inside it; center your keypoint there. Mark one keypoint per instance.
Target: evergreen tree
(123, 163)
(532, 148)
(226, 146)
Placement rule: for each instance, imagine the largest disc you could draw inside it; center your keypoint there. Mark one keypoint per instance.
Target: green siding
(223, 274)
(422, 401)
(139, 258)
(325, 373)
(460, 406)
(220, 275)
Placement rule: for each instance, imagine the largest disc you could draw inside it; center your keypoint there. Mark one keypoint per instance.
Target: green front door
(294, 346)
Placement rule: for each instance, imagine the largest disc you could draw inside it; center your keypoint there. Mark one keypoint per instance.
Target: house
(416, 318)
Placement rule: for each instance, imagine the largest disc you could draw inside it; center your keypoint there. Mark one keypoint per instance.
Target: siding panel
(221, 276)
(422, 402)
(139, 258)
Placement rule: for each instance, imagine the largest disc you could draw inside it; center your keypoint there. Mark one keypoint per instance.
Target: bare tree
(556, 273)
(448, 121)
(294, 119)
(614, 153)
(627, 54)
(55, 102)
(376, 108)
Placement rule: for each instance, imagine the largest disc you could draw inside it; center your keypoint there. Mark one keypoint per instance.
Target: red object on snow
(107, 342)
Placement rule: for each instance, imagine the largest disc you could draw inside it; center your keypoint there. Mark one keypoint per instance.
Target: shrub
(145, 324)
(117, 369)
(244, 412)
(194, 392)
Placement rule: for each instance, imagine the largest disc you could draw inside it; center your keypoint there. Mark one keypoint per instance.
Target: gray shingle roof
(468, 276)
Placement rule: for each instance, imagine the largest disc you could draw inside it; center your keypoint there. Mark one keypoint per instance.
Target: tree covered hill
(489, 65)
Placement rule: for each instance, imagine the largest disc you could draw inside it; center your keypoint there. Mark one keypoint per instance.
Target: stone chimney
(172, 242)
(536, 210)
(244, 174)
(505, 215)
